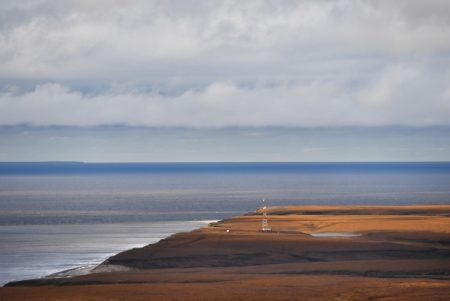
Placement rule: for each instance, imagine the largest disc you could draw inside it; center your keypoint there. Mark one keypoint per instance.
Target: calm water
(55, 216)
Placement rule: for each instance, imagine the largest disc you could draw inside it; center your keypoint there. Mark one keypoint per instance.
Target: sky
(311, 80)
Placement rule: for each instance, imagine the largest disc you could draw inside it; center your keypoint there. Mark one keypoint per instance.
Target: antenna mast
(265, 225)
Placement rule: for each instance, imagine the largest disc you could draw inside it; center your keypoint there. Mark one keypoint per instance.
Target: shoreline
(40, 251)
(100, 267)
(364, 247)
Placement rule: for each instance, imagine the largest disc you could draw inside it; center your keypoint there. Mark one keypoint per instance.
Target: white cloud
(225, 63)
(97, 39)
(399, 95)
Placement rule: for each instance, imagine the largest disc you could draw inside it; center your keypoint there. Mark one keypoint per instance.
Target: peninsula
(312, 253)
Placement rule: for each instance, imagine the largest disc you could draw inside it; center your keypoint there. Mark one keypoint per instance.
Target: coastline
(46, 250)
(396, 247)
(103, 268)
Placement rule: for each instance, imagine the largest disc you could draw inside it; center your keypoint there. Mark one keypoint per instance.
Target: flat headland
(312, 253)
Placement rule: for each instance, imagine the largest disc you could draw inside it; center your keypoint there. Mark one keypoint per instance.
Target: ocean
(60, 215)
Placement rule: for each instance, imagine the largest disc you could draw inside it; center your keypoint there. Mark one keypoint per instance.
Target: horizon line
(207, 162)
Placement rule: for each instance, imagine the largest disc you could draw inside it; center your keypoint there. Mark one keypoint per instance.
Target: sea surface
(61, 215)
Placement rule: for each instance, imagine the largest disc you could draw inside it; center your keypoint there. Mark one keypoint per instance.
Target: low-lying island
(312, 253)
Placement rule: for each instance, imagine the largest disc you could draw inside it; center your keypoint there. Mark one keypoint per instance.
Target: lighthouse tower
(265, 225)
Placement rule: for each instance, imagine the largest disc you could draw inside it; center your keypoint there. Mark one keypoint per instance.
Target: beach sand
(396, 253)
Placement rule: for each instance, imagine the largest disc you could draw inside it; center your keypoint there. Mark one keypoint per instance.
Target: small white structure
(265, 225)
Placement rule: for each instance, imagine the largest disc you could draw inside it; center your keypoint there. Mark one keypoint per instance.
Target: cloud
(225, 63)
(397, 96)
(97, 39)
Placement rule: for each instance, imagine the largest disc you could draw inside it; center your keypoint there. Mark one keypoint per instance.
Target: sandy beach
(361, 253)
